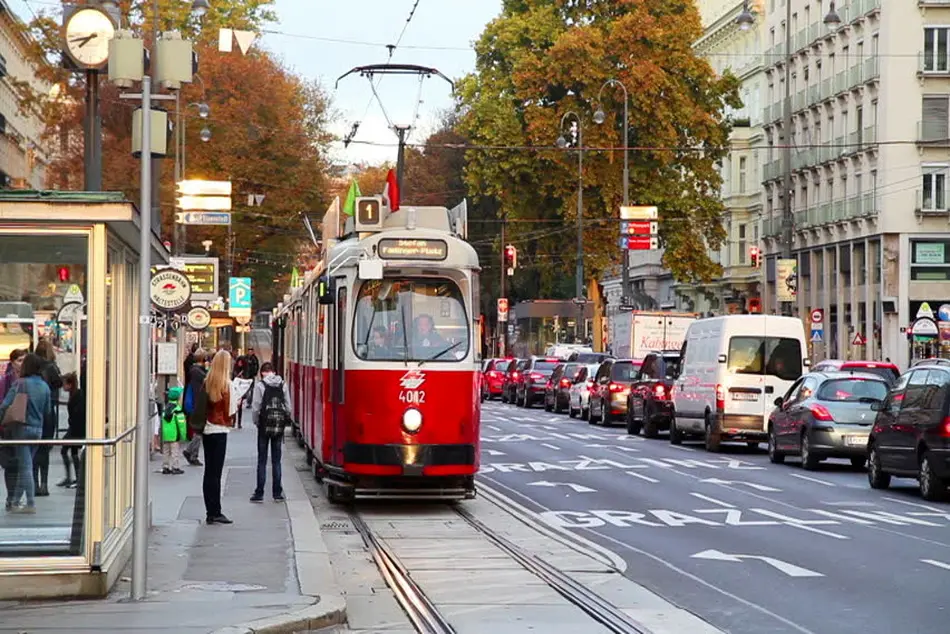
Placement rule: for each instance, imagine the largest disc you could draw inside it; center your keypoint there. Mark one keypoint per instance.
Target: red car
(493, 378)
(608, 395)
(883, 369)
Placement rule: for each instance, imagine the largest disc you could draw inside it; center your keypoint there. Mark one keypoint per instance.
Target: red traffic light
(63, 273)
(755, 257)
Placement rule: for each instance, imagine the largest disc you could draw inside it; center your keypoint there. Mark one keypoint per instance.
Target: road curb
(312, 564)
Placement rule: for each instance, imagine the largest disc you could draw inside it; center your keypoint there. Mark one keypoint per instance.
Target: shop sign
(199, 318)
(925, 312)
(929, 253)
(924, 327)
(943, 313)
(170, 290)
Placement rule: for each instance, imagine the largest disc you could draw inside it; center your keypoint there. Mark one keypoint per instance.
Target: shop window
(929, 260)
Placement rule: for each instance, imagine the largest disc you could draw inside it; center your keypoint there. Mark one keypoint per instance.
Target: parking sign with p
(239, 297)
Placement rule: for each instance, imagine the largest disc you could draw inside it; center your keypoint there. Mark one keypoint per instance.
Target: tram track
(426, 617)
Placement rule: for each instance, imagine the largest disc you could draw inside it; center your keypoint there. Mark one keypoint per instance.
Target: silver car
(826, 415)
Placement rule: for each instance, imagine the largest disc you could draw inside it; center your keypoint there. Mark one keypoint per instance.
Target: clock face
(88, 32)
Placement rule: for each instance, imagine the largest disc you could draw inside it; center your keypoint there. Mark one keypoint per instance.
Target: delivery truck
(635, 334)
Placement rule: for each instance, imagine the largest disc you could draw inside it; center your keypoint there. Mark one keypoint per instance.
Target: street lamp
(745, 20)
(579, 281)
(599, 118)
(200, 7)
(204, 110)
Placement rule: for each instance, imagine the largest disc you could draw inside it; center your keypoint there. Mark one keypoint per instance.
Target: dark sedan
(826, 415)
(649, 404)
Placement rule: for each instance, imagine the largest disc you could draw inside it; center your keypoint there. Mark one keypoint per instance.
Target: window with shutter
(935, 111)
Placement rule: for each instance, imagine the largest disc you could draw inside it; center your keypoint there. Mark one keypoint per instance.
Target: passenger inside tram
(380, 348)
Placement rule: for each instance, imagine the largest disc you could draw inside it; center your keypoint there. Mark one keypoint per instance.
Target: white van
(733, 369)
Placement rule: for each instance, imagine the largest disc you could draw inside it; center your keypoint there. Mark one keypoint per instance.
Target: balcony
(814, 95)
(872, 69)
(855, 75)
(839, 210)
(826, 153)
(869, 137)
(935, 134)
(767, 114)
(824, 214)
(853, 207)
(840, 148)
(932, 65)
(841, 82)
(826, 89)
(933, 3)
(869, 204)
(798, 102)
(854, 143)
(814, 31)
(772, 170)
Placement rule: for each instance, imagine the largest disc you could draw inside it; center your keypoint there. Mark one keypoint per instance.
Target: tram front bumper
(410, 460)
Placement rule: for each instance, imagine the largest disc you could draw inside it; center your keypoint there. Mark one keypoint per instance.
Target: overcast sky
(439, 35)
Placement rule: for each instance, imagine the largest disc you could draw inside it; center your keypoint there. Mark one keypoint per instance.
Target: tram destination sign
(394, 249)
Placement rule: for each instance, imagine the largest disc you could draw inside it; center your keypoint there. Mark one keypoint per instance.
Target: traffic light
(511, 259)
(63, 273)
(755, 257)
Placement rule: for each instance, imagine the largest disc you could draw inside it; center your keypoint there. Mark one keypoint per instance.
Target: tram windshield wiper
(446, 351)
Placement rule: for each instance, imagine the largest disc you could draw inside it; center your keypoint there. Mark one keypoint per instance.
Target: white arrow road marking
(642, 477)
(494, 452)
(550, 446)
(713, 500)
(751, 485)
(938, 564)
(790, 569)
(579, 488)
(598, 446)
(627, 449)
(815, 480)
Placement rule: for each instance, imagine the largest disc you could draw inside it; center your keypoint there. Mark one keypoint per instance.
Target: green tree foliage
(543, 58)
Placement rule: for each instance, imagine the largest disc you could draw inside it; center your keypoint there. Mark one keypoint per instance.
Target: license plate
(855, 441)
(744, 396)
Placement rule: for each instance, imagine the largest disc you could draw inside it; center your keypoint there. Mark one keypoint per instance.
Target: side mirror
(722, 358)
(779, 402)
(806, 362)
(325, 292)
(877, 406)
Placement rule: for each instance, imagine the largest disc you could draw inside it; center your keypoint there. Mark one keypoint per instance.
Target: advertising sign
(170, 290)
(786, 280)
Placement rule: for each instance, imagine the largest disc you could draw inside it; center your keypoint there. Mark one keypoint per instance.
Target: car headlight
(411, 420)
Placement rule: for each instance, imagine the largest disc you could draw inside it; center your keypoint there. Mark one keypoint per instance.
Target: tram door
(337, 376)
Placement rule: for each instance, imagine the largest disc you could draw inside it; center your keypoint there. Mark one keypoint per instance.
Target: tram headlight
(412, 420)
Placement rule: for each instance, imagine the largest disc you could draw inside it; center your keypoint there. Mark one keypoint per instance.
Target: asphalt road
(751, 547)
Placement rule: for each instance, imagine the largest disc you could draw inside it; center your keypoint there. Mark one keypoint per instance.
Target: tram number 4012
(414, 397)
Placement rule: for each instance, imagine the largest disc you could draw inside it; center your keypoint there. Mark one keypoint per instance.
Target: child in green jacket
(174, 432)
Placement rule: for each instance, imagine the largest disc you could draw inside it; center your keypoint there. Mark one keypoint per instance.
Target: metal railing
(840, 147)
(841, 81)
(73, 442)
(870, 135)
(872, 68)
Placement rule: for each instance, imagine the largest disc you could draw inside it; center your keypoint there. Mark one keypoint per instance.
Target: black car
(533, 379)
(911, 433)
(557, 393)
(588, 357)
(650, 402)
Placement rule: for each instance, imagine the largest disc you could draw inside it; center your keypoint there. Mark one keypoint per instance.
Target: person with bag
(195, 380)
(213, 406)
(174, 430)
(270, 410)
(23, 413)
(76, 408)
(51, 374)
(8, 455)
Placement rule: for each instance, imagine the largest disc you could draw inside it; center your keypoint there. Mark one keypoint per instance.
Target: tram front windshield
(410, 320)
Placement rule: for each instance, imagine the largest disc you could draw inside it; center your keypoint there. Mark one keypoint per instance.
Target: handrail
(71, 442)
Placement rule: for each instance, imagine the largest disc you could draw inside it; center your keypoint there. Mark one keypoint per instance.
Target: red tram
(380, 347)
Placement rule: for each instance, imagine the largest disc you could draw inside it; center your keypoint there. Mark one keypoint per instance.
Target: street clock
(87, 32)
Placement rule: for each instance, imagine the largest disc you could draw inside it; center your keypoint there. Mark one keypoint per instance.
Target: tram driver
(426, 339)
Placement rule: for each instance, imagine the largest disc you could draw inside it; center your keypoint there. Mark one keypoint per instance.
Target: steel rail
(425, 617)
(598, 608)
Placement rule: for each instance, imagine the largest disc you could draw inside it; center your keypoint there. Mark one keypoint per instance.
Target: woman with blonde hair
(216, 398)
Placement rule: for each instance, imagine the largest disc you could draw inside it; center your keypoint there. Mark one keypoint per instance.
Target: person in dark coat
(196, 379)
(51, 374)
(76, 408)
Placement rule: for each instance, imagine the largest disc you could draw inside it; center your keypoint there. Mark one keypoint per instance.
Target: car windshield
(885, 373)
(852, 390)
(624, 371)
(544, 366)
(590, 357)
(501, 366)
(410, 320)
(780, 357)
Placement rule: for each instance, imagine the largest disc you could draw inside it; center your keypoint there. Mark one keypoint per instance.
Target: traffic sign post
(239, 297)
(502, 309)
(639, 227)
(640, 243)
(218, 218)
(639, 212)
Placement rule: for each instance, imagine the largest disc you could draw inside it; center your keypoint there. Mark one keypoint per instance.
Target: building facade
(870, 158)
(23, 159)
(727, 47)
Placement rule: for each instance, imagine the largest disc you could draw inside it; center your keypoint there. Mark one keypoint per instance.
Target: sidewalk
(269, 572)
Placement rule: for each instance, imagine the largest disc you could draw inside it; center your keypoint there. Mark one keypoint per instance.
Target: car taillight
(659, 392)
(590, 384)
(536, 376)
(565, 383)
(616, 387)
(492, 374)
(945, 428)
(514, 375)
(820, 412)
(720, 398)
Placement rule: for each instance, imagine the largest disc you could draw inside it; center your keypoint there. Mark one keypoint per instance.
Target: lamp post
(181, 230)
(745, 20)
(599, 118)
(579, 281)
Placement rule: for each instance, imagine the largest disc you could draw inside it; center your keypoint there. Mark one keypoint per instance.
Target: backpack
(188, 403)
(274, 416)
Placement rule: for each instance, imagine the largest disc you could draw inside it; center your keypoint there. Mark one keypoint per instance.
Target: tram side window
(411, 319)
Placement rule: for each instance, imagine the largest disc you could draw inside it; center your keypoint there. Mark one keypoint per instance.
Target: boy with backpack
(271, 412)
(174, 432)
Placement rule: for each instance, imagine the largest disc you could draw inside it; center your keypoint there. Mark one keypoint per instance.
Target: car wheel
(557, 409)
(606, 418)
(810, 461)
(633, 427)
(676, 436)
(526, 400)
(932, 488)
(649, 421)
(711, 437)
(858, 463)
(775, 456)
(571, 411)
(504, 396)
(877, 478)
(547, 406)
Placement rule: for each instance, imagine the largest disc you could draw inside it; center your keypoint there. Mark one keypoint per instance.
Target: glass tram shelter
(62, 249)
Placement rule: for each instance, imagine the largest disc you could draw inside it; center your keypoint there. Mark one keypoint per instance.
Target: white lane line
(493, 428)
(815, 480)
(550, 446)
(938, 564)
(819, 531)
(923, 506)
(642, 477)
(848, 503)
(713, 500)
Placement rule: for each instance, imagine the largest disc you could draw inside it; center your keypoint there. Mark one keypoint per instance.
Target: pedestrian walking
(196, 378)
(23, 414)
(76, 410)
(270, 411)
(8, 455)
(174, 431)
(214, 406)
(51, 374)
